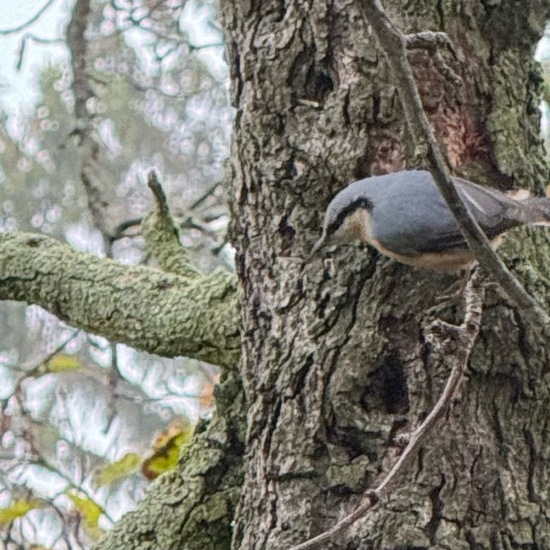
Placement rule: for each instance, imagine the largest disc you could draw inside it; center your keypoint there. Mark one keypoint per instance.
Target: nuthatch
(404, 216)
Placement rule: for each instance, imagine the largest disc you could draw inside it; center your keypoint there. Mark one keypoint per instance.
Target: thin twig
(161, 201)
(445, 69)
(45, 360)
(455, 344)
(434, 42)
(205, 195)
(122, 227)
(43, 462)
(393, 44)
(23, 46)
(34, 18)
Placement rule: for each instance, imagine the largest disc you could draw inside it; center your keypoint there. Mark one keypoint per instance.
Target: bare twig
(454, 343)
(393, 44)
(26, 39)
(158, 192)
(205, 195)
(44, 463)
(434, 42)
(37, 365)
(33, 19)
(445, 69)
(94, 177)
(120, 230)
(189, 223)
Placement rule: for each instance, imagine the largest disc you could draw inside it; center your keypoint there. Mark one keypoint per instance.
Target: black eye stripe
(361, 202)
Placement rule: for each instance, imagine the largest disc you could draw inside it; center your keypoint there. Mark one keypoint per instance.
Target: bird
(404, 216)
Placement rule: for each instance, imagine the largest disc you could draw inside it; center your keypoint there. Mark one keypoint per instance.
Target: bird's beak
(318, 245)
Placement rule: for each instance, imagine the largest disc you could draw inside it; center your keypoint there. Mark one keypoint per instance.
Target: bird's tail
(536, 210)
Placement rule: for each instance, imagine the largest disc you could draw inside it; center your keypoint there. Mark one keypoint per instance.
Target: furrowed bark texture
(334, 362)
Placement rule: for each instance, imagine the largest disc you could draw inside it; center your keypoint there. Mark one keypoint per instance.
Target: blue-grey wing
(421, 222)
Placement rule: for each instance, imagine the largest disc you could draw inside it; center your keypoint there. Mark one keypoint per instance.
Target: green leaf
(63, 362)
(110, 473)
(89, 510)
(18, 509)
(167, 448)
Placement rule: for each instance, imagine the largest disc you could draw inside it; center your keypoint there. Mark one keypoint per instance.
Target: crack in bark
(437, 511)
(532, 466)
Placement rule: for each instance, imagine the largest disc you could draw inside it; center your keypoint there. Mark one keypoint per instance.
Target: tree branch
(162, 235)
(454, 344)
(428, 40)
(143, 307)
(195, 502)
(394, 44)
(94, 176)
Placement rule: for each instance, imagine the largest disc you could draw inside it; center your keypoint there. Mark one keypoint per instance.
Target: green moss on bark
(140, 306)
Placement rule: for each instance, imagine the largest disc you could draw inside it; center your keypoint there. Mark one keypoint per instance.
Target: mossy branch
(196, 502)
(169, 313)
(162, 235)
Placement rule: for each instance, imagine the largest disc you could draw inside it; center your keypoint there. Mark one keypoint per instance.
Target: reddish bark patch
(458, 131)
(389, 153)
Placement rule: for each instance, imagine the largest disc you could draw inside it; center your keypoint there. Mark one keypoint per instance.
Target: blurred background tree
(85, 114)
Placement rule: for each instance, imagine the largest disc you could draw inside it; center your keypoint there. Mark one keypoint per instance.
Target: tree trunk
(334, 361)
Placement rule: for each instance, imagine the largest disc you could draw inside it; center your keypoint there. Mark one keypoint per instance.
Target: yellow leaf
(62, 362)
(89, 510)
(120, 469)
(166, 449)
(17, 509)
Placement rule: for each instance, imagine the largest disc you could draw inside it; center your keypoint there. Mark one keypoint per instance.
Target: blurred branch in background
(29, 22)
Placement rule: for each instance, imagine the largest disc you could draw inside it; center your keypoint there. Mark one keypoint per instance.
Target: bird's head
(344, 221)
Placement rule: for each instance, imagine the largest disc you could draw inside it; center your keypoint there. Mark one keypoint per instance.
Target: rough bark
(334, 363)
